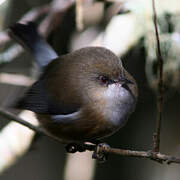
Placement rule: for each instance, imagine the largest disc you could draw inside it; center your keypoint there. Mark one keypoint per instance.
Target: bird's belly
(88, 129)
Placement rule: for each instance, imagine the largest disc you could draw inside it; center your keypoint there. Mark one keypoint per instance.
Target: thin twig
(35, 13)
(11, 53)
(142, 154)
(160, 84)
(158, 157)
(55, 16)
(16, 79)
(79, 15)
(8, 115)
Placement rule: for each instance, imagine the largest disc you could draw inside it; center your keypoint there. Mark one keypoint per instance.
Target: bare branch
(12, 117)
(16, 79)
(4, 37)
(11, 53)
(160, 84)
(35, 13)
(15, 140)
(139, 154)
(142, 154)
(58, 9)
(79, 15)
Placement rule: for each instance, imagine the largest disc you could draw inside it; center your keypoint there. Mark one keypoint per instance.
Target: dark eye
(104, 79)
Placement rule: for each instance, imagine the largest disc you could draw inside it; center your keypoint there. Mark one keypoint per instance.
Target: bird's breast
(105, 113)
(120, 104)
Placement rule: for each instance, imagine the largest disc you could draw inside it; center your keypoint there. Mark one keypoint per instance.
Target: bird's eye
(104, 79)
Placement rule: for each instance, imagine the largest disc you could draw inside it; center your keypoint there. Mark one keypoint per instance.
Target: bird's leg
(100, 155)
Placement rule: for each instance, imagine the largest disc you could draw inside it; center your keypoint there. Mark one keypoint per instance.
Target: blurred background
(125, 27)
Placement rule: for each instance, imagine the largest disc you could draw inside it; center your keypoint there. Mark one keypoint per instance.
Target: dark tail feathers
(27, 35)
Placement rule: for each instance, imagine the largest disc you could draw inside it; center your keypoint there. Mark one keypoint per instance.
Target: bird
(82, 96)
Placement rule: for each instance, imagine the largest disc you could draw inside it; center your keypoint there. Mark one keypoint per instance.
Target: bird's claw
(99, 154)
(153, 156)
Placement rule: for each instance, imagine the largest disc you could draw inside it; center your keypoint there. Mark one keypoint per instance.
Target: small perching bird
(80, 97)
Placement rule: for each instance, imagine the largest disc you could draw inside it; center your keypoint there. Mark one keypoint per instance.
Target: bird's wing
(38, 100)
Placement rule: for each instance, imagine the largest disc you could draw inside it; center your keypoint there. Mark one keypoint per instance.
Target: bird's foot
(74, 147)
(99, 154)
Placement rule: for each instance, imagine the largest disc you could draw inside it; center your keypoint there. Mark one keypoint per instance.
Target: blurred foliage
(169, 27)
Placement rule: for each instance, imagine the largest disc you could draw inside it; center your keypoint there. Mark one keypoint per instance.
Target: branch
(79, 15)
(11, 53)
(54, 18)
(160, 84)
(15, 140)
(141, 154)
(16, 79)
(100, 149)
(12, 117)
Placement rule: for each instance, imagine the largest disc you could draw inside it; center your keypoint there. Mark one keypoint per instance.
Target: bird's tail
(27, 35)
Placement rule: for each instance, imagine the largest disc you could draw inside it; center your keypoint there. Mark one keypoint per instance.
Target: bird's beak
(127, 81)
(124, 80)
